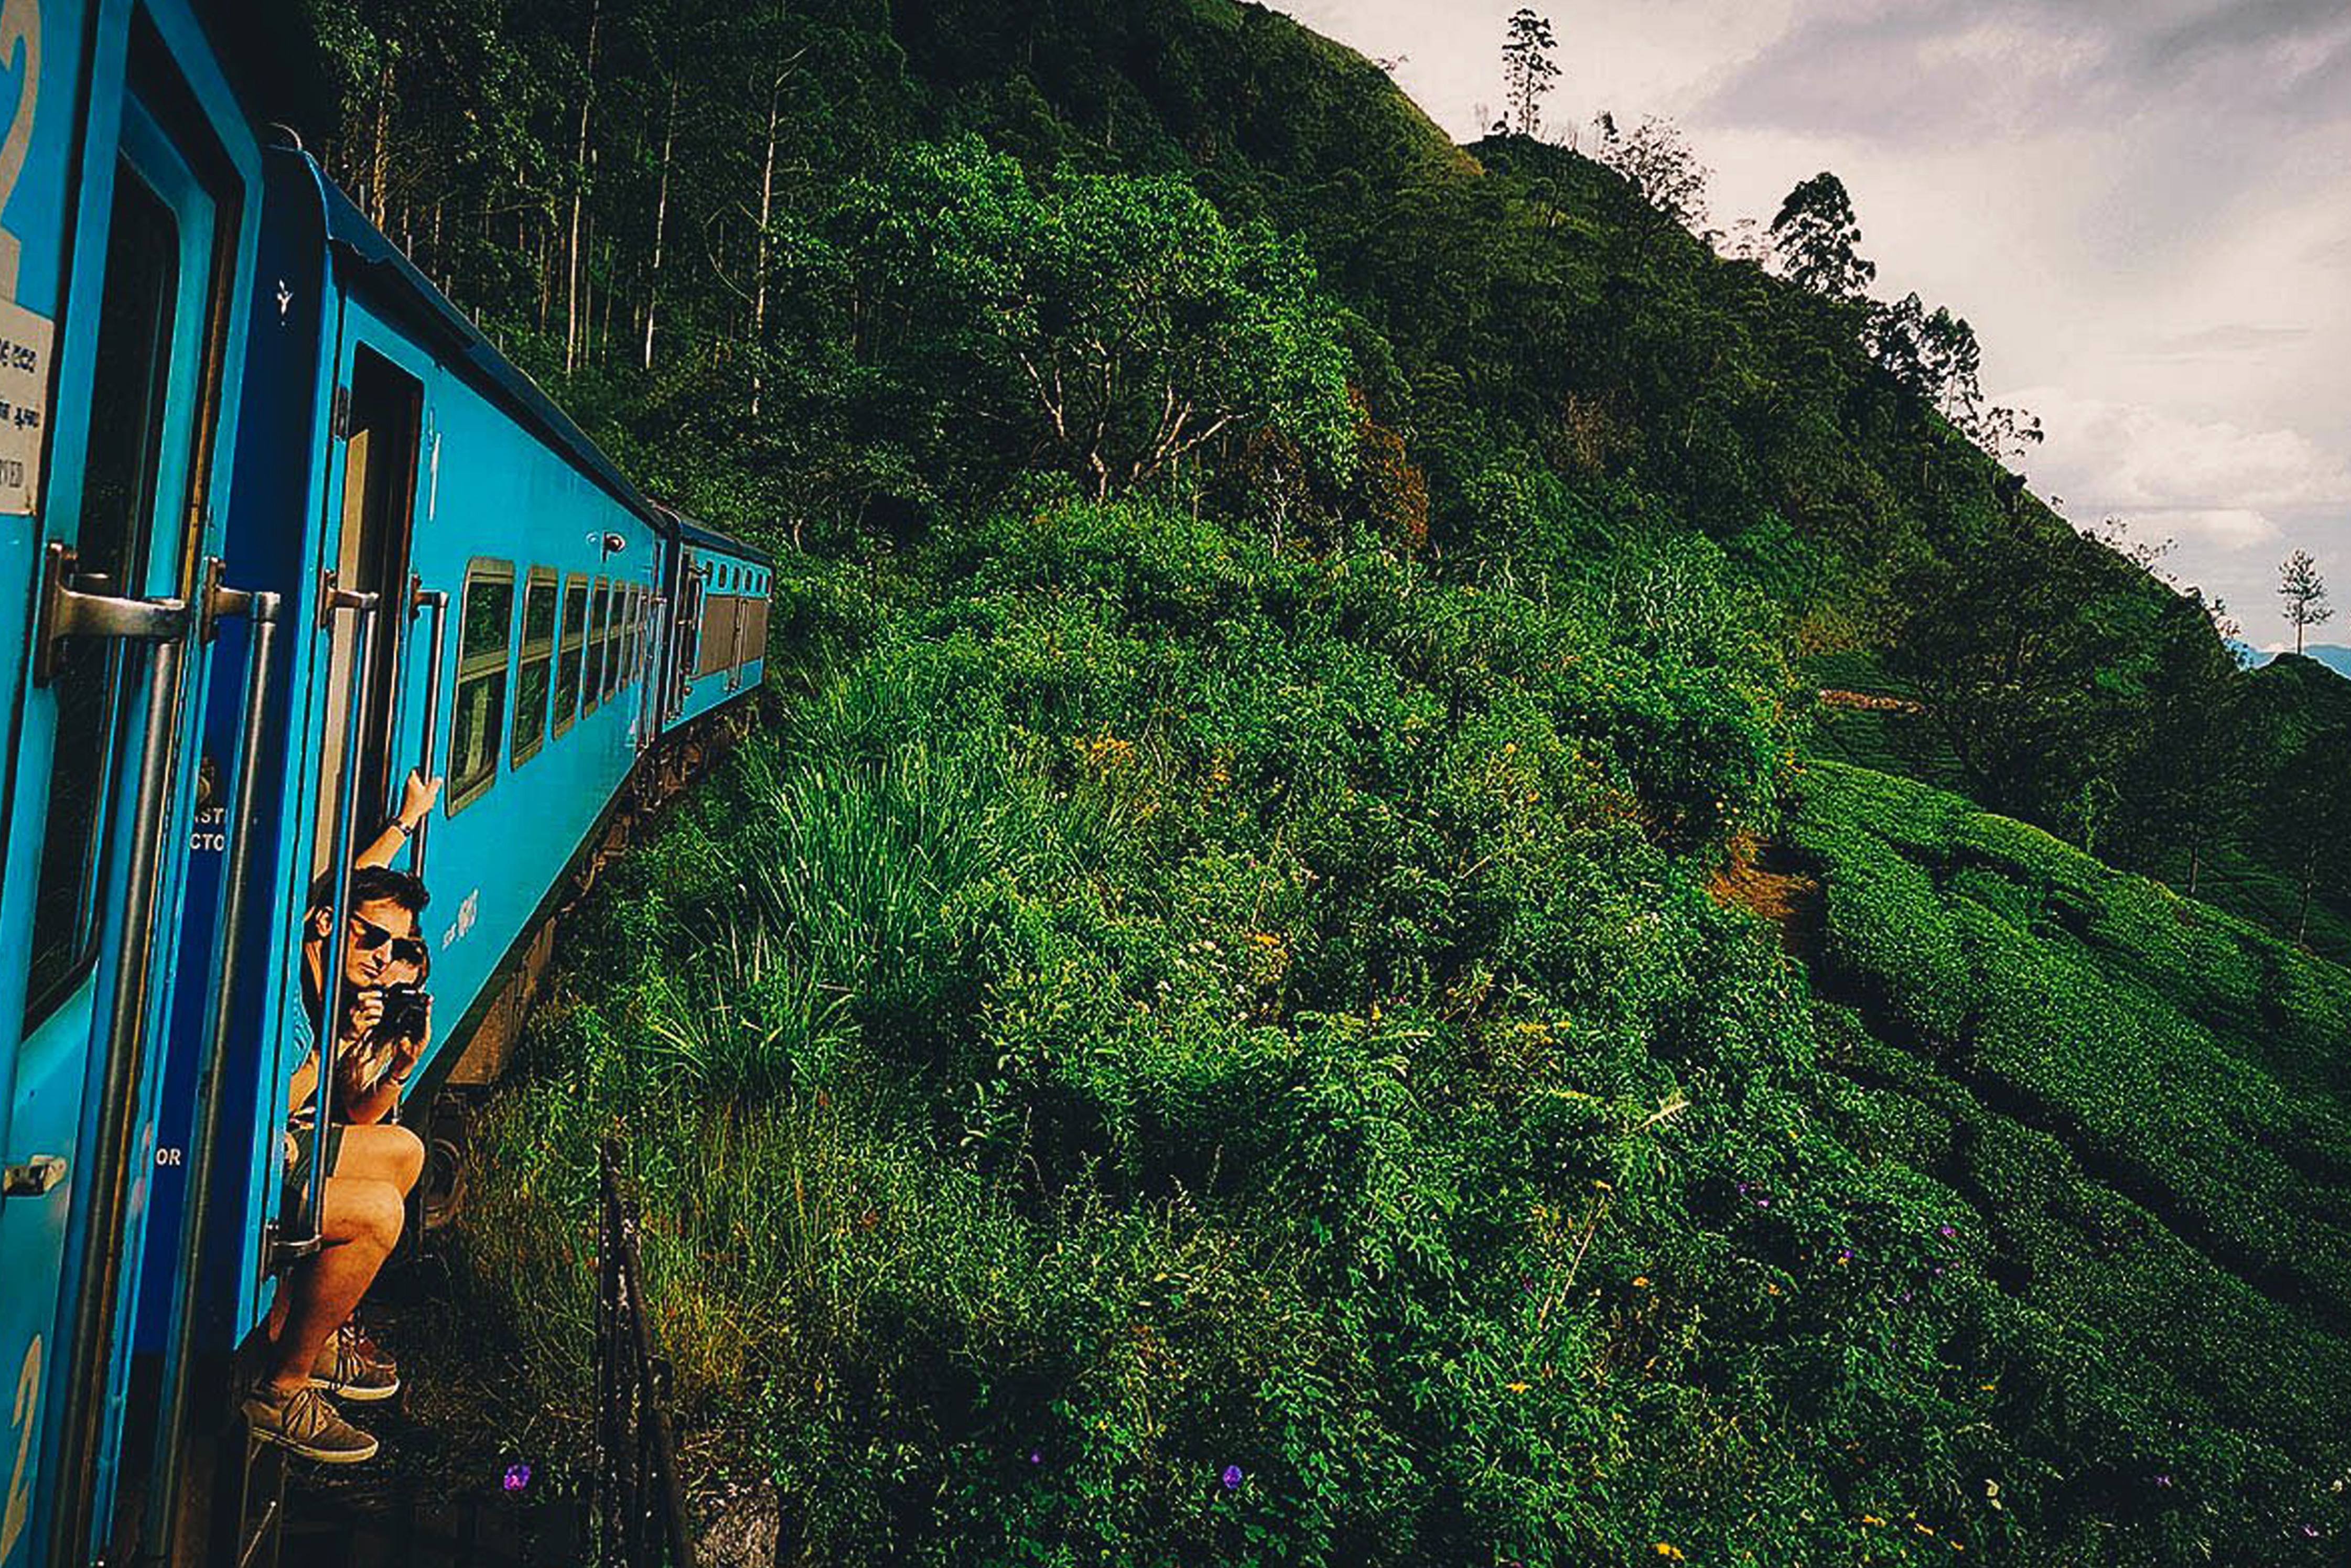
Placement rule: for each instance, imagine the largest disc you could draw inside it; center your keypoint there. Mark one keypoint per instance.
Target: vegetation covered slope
(1219, 1022)
(1179, 1052)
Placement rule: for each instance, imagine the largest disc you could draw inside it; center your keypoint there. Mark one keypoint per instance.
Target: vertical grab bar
(437, 601)
(261, 611)
(649, 693)
(735, 645)
(125, 1054)
(364, 606)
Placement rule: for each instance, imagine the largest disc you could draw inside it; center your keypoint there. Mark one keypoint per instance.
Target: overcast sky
(2144, 208)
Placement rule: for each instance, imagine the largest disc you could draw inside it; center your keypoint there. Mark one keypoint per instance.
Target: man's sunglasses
(368, 937)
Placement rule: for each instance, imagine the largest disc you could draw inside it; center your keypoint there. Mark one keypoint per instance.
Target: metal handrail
(639, 1506)
(364, 608)
(650, 697)
(437, 601)
(261, 611)
(168, 626)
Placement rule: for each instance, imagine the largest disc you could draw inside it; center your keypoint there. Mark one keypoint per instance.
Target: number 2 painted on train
(20, 23)
(28, 1407)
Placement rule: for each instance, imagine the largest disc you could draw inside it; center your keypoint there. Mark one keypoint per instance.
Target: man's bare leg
(380, 1151)
(361, 1226)
(367, 1152)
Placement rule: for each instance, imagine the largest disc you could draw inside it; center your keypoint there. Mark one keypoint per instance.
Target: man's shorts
(303, 1143)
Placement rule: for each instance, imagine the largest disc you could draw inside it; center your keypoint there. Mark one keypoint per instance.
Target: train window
(535, 669)
(628, 635)
(615, 614)
(755, 631)
(619, 656)
(484, 631)
(567, 659)
(637, 633)
(600, 633)
(131, 377)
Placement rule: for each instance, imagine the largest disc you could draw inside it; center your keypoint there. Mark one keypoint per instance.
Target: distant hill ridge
(2333, 655)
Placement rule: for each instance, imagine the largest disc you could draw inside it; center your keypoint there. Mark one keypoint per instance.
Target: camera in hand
(405, 1010)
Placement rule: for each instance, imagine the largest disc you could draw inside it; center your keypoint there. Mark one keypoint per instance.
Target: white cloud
(2214, 477)
(2222, 528)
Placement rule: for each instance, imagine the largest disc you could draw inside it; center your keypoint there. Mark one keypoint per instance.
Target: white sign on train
(25, 342)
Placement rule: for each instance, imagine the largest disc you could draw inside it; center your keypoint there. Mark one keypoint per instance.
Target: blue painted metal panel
(81, 123)
(44, 51)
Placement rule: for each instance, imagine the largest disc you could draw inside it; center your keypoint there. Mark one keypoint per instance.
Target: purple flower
(2311, 1531)
(518, 1476)
(1946, 1230)
(1035, 1456)
(1742, 1186)
(2164, 1480)
(1845, 1254)
(1762, 1203)
(1232, 1477)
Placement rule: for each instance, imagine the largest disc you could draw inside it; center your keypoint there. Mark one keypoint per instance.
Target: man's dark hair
(374, 884)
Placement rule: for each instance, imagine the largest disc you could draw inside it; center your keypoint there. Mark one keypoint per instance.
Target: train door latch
(34, 1177)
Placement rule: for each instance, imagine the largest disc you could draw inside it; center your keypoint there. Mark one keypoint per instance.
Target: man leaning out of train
(372, 1164)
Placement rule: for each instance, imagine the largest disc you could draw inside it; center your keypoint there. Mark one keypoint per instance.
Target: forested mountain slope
(666, 205)
(1279, 986)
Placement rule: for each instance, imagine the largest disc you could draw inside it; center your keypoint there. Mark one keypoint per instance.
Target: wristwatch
(405, 831)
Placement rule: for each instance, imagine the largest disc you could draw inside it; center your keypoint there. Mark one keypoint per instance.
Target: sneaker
(345, 1370)
(303, 1422)
(368, 1348)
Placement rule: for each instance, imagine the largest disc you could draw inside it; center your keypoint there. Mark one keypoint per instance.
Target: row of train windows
(579, 646)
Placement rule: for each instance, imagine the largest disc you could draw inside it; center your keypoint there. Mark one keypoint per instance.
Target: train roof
(462, 344)
(348, 231)
(694, 533)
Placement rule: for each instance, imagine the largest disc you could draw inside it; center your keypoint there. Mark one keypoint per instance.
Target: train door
(376, 473)
(692, 584)
(102, 795)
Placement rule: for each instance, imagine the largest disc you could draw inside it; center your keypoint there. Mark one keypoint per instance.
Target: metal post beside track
(639, 1505)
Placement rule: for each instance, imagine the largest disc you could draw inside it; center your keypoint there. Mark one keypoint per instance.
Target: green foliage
(1168, 1004)
(2146, 1095)
(1123, 316)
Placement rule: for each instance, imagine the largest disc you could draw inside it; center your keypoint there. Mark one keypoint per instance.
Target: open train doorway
(381, 413)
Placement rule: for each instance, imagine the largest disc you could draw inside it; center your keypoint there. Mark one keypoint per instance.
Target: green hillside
(1164, 1006)
(1290, 974)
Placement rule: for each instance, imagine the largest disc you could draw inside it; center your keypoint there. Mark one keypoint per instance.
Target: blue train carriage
(717, 621)
(206, 350)
(129, 219)
(471, 589)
